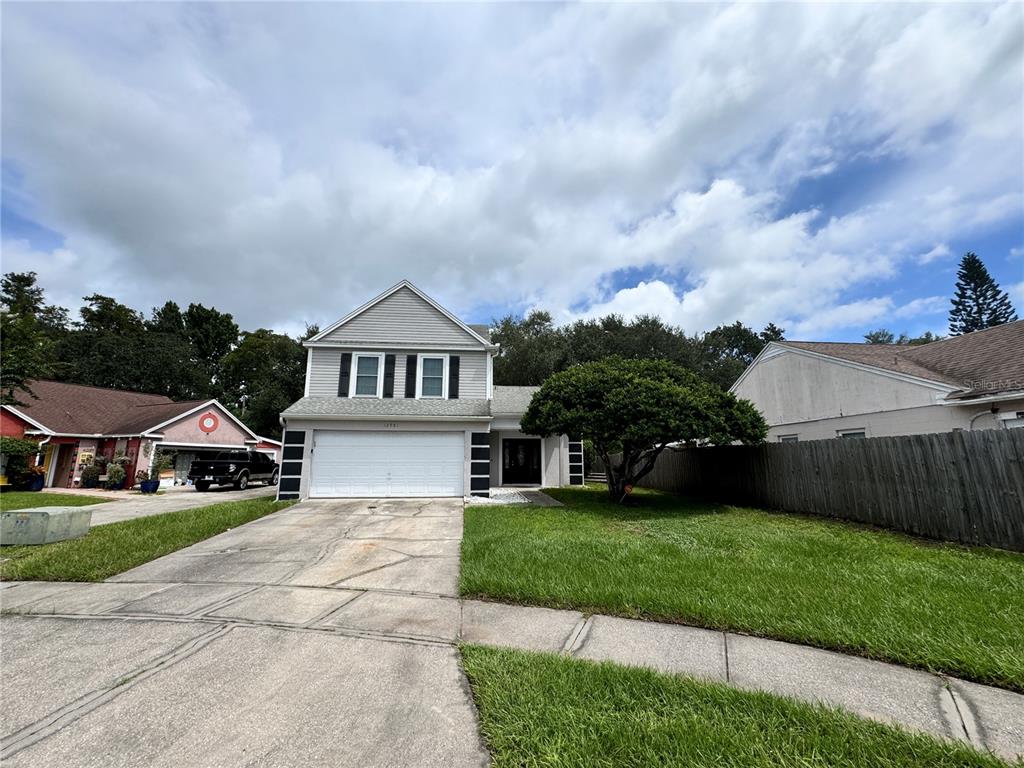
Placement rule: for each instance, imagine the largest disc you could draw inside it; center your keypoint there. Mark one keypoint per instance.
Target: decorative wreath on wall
(209, 422)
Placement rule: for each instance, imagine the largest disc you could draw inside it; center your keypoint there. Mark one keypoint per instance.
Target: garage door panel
(372, 464)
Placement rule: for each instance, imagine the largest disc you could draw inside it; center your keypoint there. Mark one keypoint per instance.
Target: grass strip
(111, 549)
(13, 500)
(941, 607)
(547, 710)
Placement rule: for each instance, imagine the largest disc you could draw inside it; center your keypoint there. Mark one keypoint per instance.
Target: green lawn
(111, 549)
(547, 710)
(820, 582)
(11, 500)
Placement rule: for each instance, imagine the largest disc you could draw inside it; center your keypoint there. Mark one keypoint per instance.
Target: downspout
(41, 451)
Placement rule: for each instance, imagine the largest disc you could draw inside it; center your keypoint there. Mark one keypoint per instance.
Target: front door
(520, 462)
(63, 455)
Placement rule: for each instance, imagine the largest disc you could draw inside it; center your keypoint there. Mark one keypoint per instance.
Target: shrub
(91, 476)
(115, 475)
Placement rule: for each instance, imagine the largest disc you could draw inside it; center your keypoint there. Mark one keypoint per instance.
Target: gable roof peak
(407, 284)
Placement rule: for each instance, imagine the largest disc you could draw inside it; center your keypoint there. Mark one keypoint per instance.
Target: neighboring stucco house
(75, 423)
(815, 390)
(400, 401)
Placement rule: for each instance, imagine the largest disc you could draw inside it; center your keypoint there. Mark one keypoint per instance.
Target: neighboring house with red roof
(75, 423)
(809, 390)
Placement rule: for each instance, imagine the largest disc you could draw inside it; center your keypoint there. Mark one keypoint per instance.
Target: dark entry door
(520, 462)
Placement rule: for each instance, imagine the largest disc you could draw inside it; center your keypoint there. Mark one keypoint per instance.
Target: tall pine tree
(979, 302)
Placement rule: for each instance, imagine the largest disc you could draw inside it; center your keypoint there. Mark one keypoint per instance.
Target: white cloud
(287, 163)
(1016, 293)
(940, 251)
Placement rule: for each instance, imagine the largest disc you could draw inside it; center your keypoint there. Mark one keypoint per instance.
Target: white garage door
(360, 464)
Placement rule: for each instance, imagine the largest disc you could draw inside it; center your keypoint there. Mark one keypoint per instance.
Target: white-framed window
(789, 438)
(367, 378)
(432, 376)
(851, 433)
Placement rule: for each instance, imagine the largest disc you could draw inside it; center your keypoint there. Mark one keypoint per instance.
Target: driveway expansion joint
(68, 714)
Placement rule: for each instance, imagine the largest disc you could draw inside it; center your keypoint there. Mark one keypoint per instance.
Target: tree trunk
(619, 478)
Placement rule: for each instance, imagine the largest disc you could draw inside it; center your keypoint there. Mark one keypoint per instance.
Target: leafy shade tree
(28, 327)
(727, 350)
(885, 336)
(978, 302)
(263, 375)
(637, 408)
(106, 347)
(530, 350)
(171, 367)
(880, 336)
(213, 334)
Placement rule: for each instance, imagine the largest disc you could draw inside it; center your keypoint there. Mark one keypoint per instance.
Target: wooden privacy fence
(958, 486)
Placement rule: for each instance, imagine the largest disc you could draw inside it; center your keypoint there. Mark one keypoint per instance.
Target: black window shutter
(346, 371)
(453, 377)
(389, 375)
(410, 376)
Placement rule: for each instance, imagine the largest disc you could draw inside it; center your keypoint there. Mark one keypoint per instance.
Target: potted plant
(91, 476)
(35, 478)
(151, 484)
(115, 477)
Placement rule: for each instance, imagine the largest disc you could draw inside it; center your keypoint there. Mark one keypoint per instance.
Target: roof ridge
(171, 402)
(96, 386)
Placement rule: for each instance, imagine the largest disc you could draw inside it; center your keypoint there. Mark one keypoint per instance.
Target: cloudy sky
(822, 167)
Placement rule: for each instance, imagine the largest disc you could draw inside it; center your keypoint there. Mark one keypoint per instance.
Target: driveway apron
(319, 635)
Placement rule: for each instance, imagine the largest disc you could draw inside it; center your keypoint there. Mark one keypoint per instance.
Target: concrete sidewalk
(988, 718)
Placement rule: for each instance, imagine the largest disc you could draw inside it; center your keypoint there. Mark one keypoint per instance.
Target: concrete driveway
(319, 635)
(173, 501)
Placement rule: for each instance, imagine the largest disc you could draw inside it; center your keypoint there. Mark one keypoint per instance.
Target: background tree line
(192, 354)
(532, 347)
(200, 352)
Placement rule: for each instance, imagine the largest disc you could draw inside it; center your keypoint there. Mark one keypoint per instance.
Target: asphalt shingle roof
(76, 409)
(399, 406)
(512, 400)
(979, 363)
(508, 401)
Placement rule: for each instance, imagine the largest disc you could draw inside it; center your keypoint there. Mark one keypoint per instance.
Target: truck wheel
(242, 482)
(202, 486)
(273, 478)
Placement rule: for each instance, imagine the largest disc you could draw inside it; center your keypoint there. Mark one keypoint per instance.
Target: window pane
(366, 385)
(367, 366)
(432, 386)
(433, 366)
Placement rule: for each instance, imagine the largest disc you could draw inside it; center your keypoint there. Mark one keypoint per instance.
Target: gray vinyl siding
(325, 369)
(404, 317)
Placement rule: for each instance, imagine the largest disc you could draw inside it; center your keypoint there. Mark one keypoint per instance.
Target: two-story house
(400, 401)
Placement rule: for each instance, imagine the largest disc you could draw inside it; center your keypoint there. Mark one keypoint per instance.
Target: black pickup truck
(237, 468)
